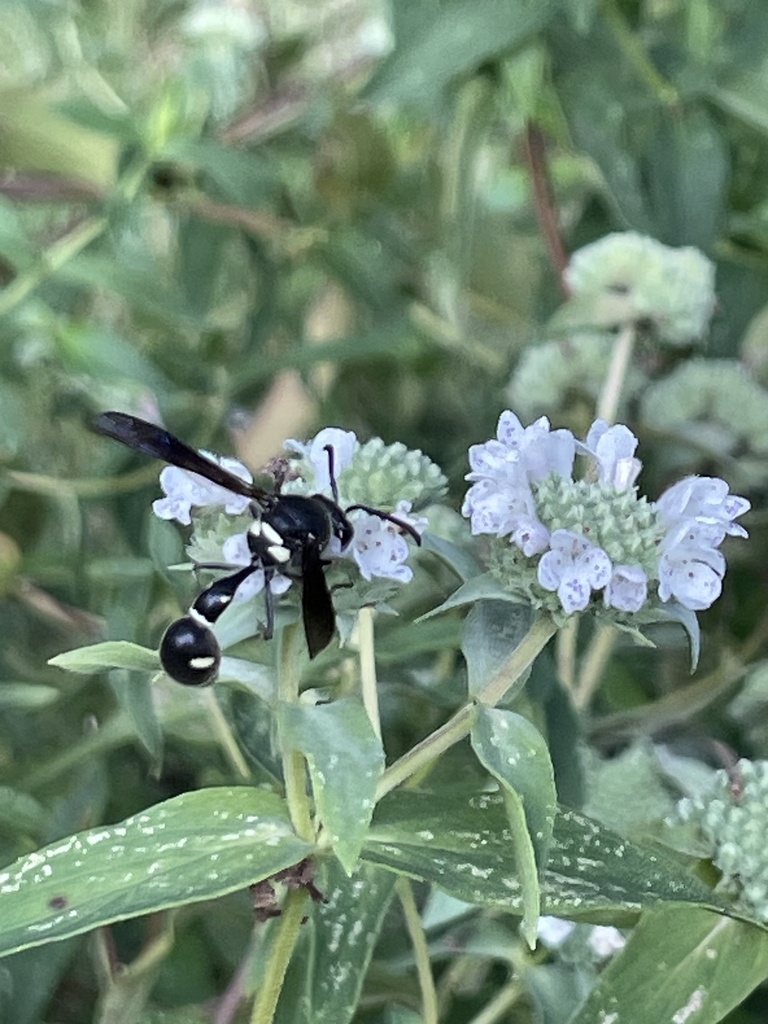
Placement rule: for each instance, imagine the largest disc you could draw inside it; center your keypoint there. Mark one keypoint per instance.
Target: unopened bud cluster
(732, 820)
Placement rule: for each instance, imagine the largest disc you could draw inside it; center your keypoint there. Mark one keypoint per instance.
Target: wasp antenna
(405, 527)
(328, 448)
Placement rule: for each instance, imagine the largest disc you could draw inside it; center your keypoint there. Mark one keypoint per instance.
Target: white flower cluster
(626, 276)
(597, 535)
(378, 548)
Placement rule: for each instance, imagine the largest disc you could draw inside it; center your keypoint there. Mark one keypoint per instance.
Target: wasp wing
(316, 603)
(160, 444)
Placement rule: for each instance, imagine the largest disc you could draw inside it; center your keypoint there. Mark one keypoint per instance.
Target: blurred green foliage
(256, 218)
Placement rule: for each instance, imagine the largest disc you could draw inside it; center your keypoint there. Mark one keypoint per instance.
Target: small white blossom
(627, 588)
(574, 568)
(380, 549)
(613, 448)
(501, 501)
(531, 536)
(692, 575)
(342, 442)
(698, 513)
(185, 490)
(706, 500)
(554, 930)
(605, 940)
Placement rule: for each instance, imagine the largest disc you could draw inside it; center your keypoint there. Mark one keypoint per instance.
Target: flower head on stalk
(572, 544)
(363, 474)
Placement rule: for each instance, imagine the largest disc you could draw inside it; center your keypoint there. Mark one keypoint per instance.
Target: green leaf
(19, 812)
(686, 167)
(244, 177)
(99, 352)
(345, 759)
(111, 654)
(602, 125)
(492, 630)
(134, 692)
(451, 42)
(514, 752)
(463, 562)
(674, 612)
(690, 965)
(463, 845)
(345, 930)
(193, 847)
(33, 137)
(480, 588)
(27, 695)
(145, 288)
(15, 244)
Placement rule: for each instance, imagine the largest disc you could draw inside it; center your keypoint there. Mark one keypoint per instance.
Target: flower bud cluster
(732, 821)
(550, 374)
(375, 472)
(570, 543)
(630, 278)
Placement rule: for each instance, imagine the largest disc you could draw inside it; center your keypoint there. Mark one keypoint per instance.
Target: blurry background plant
(257, 218)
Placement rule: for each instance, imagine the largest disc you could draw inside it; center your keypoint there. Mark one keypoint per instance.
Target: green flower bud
(697, 401)
(630, 278)
(380, 475)
(622, 523)
(549, 374)
(732, 819)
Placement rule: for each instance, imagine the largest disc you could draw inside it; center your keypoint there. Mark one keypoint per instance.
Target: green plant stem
(429, 1012)
(608, 403)
(72, 244)
(566, 652)
(368, 684)
(593, 664)
(294, 773)
(228, 742)
(52, 260)
(460, 724)
(499, 1005)
(87, 487)
(280, 954)
(635, 55)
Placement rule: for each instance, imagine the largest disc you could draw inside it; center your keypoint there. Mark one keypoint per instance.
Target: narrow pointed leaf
(344, 932)
(479, 588)
(345, 759)
(492, 630)
(464, 845)
(193, 847)
(692, 966)
(111, 654)
(514, 752)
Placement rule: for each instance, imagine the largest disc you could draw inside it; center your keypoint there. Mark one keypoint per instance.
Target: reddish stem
(544, 201)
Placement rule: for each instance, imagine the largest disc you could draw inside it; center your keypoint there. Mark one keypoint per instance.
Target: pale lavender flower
(613, 448)
(379, 548)
(574, 568)
(627, 588)
(185, 490)
(343, 443)
(522, 489)
(704, 499)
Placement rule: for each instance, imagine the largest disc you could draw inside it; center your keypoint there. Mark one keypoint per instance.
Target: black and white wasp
(290, 534)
